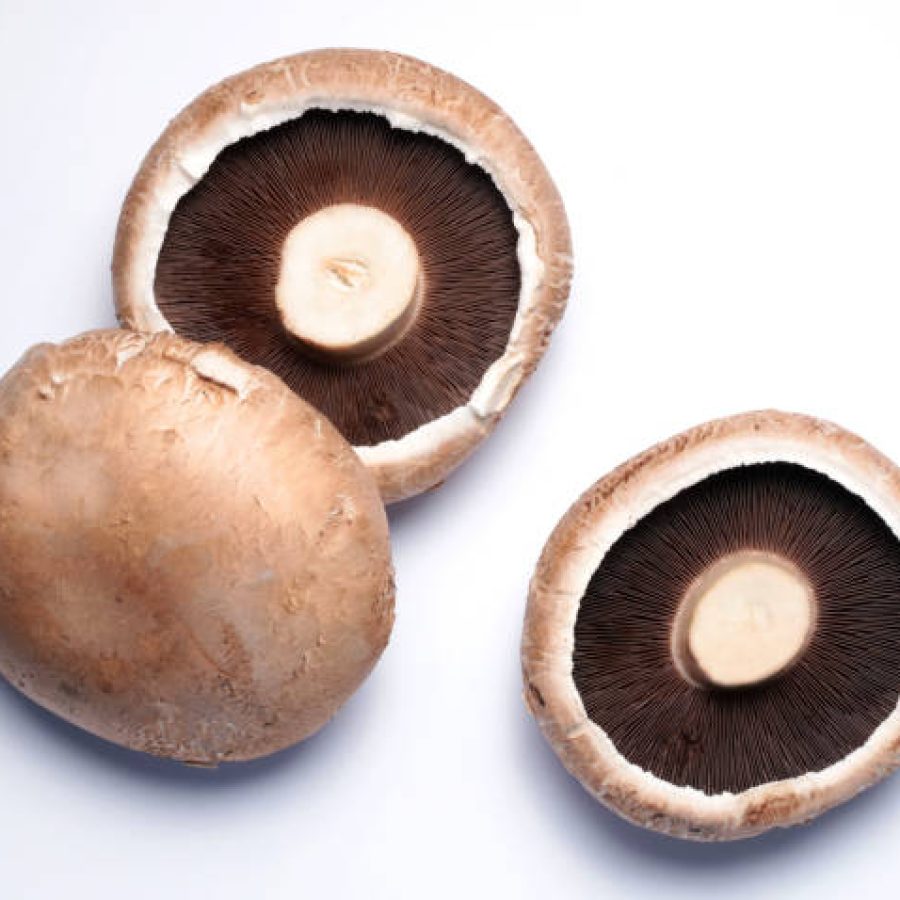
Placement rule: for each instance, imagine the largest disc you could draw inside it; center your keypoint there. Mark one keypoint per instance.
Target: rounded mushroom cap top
(772, 534)
(414, 405)
(195, 564)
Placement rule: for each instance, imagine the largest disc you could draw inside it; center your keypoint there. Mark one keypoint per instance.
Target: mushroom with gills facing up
(193, 562)
(712, 642)
(371, 229)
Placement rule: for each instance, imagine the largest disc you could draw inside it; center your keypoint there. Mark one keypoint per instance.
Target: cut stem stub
(349, 283)
(746, 619)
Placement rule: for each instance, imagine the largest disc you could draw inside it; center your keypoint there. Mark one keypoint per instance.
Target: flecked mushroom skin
(413, 95)
(573, 553)
(195, 564)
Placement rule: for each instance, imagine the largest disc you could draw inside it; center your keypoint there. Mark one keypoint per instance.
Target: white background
(732, 174)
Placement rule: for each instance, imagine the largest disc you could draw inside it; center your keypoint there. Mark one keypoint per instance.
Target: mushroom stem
(349, 285)
(747, 618)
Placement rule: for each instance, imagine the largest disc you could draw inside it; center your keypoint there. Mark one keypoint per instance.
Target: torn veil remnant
(179, 573)
(371, 229)
(712, 644)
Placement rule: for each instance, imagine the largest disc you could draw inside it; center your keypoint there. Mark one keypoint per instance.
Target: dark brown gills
(813, 715)
(219, 264)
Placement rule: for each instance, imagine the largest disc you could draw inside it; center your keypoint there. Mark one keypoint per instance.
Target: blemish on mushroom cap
(159, 592)
(578, 547)
(413, 96)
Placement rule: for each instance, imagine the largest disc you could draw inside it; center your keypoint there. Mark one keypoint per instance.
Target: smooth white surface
(731, 172)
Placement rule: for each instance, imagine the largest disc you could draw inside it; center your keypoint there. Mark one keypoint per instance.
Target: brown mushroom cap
(422, 425)
(195, 564)
(697, 758)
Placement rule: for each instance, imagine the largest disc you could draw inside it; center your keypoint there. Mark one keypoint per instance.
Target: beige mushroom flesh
(195, 564)
(372, 230)
(712, 642)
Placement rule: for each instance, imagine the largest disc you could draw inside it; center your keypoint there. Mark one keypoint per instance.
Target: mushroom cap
(195, 564)
(574, 552)
(412, 95)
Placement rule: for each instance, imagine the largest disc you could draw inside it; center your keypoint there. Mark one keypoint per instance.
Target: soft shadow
(103, 307)
(98, 753)
(410, 513)
(588, 821)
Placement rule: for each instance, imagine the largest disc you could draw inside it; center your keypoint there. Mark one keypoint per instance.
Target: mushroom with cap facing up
(712, 641)
(195, 564)
(371, 229)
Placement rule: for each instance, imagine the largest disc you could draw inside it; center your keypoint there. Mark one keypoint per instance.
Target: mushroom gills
(744, 631)
(373, 268)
